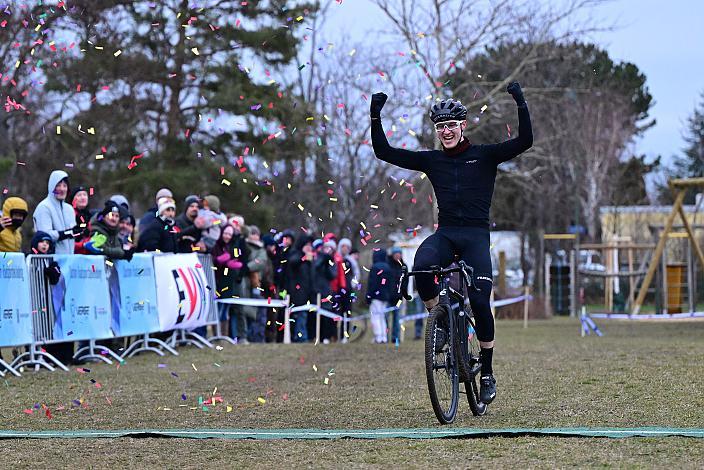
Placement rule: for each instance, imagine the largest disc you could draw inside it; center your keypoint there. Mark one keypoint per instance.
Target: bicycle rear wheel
(441, 364)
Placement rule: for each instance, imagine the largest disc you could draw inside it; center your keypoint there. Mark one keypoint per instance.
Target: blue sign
(81, 299)
(138, 313)
(15, 304)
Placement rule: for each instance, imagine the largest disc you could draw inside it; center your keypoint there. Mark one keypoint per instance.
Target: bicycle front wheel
(441, 364)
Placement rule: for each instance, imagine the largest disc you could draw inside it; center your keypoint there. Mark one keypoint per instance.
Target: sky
(664, 38)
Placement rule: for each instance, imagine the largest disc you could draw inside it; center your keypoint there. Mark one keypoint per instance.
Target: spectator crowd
(248, 262)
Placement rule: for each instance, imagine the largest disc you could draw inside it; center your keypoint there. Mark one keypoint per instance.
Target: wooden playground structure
(635, 265)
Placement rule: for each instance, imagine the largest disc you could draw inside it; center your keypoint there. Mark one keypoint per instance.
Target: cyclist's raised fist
(514, 89)
(378, 101)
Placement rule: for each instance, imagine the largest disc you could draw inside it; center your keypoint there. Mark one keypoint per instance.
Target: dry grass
(637, 375)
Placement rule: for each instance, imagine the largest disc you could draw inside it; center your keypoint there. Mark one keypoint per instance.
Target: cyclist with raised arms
(463, 176)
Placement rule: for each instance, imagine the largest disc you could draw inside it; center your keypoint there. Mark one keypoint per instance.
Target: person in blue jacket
(379, 293)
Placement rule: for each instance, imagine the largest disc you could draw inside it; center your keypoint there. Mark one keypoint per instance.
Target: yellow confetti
(99, 157)
(194, 367)
(195, 50)
(91, 130)
(483, 108)
(326, 381)
(58, 130)
(315, 368)
(225, 182)
(229, 408)
(261, 400)
(117, 53)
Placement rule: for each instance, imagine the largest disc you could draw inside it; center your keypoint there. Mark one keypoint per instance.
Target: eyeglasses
(449, 125)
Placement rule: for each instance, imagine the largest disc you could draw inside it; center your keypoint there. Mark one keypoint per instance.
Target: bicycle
(451, 345)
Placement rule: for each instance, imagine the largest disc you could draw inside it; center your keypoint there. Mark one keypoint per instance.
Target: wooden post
(547, 285)
(502, 273)
(690, 232)
(525, 307)
(631, 279)
(658, 253)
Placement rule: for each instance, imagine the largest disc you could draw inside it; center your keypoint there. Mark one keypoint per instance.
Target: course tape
(428, 433)
(650, 316)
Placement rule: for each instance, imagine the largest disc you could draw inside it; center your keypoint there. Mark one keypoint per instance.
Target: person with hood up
(159, 234)
(55, 217)
(378, 294)
(14, 212)
(79, 201)
(43, 244)
(190, 227)
(104, 234)
(153, 212)
(230, 255)
(300, 278)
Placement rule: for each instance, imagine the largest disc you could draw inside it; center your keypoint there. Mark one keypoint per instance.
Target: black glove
(378, 100)
(514, 89)
(53, 273)
(70, 233)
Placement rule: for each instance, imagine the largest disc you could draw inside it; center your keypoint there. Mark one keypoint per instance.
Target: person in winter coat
(78, 199)
(300, 277)
(230, 255)
(43, 244)
(159, 234)
(270, 288)
(396, 263)
(379, 293)
(259, 267)
(104, 234)
(325, 272)
(14, 212)
(190, 227)
(55, 217)
(339, 283)
(153, 212)
(215, 221)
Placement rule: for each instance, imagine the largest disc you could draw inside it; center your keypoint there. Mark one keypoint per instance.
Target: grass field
(645, 374)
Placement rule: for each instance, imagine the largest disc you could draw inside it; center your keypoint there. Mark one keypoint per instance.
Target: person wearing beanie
(378, 294)
(300, 278)
(55, 217)
(190, 226)
(325, 272)
(159, 234)
(104, 231)
(127, 232)
(215, 220)
(14, 212)
(79, 200)
(261, 276)
(153, 212)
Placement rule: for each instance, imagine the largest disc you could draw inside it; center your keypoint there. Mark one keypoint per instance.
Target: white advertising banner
(183, 295)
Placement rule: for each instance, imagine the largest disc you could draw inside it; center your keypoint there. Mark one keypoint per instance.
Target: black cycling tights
(471, 244)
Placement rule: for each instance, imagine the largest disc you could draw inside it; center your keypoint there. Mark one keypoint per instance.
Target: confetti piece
(229, 409)
(183, 397)
(315, 368)
(326, 381)
(261, 400)
(194, 367)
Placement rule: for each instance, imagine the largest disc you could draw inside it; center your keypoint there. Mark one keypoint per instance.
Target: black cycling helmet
(448, 110)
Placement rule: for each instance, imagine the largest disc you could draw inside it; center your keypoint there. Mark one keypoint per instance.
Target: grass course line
(427, 433)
